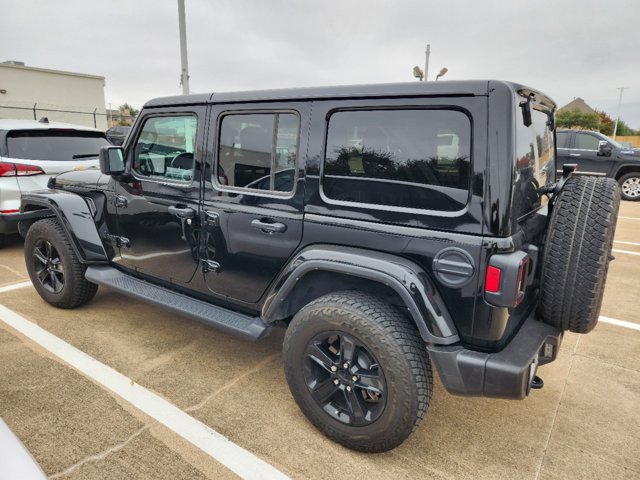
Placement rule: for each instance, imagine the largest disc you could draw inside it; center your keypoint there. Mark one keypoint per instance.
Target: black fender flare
(405, 277)
(75, 216)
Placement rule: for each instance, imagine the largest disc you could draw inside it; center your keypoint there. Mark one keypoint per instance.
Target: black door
(158, 207)
(585, 154)
(252, 209)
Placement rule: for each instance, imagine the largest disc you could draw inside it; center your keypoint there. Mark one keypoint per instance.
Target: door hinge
(210, 266)
(118, 241)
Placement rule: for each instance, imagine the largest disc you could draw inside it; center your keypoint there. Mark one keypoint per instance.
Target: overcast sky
(565, 48)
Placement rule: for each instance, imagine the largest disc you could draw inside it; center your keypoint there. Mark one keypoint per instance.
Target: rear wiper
(84, 155)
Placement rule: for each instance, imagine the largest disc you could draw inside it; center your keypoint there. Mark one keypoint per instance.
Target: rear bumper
(9, 222)
(504, 374)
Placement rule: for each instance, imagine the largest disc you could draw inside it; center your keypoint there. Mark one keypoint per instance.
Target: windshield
(56, 145)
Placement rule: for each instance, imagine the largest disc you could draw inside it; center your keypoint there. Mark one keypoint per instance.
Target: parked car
(117, 135)
(31, 151)
(387, 227)
(597, 154)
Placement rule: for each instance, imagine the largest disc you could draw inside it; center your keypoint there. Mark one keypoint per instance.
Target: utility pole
(184, 75)
(426, 62)
(615, 127)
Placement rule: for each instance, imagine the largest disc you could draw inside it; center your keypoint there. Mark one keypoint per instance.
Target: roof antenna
(44, 120)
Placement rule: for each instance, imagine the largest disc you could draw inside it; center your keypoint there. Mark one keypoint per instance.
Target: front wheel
(630, 186)
(358, 369)
(54, 268)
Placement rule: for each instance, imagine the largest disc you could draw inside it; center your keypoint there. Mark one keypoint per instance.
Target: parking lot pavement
(583, 424)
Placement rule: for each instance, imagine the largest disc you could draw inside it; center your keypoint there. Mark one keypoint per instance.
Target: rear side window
(55, 144)
(535, 160)
(562, 139)
(258, 151)
(418, 159)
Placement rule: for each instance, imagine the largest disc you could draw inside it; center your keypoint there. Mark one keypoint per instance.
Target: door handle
(268, 227)
(574, 155)
(182, 212)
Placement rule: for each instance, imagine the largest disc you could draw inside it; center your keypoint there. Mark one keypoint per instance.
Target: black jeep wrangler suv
(386, 227)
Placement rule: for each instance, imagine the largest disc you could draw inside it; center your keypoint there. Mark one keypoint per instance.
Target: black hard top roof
(408, 89)
(466, 88)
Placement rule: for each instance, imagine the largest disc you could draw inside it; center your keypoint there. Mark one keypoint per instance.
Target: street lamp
(615, 128)
(442, 72)
(419, 74)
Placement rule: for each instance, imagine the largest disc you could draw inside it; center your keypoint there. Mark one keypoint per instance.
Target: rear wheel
(54, 268)
(359, 370)
(577, 253)
(630, 186)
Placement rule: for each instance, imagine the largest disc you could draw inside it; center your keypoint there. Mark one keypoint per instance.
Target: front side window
(258, 151)
(165, 148)
(585, 141)
(417, 159)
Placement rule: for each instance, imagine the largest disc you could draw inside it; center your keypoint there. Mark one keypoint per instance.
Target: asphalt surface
(585, 422)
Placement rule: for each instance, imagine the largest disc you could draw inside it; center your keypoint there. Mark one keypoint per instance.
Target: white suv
(32, 151)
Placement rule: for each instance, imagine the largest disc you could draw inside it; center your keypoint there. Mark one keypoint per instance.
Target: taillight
(13, 210)
(492, 279)
(8, 169)
(506, 278)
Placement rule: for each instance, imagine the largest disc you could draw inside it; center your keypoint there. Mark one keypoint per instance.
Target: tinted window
(57, 145)
(535, 161)
(584, 141)
(399, 158)
(258, 151)
(562, 139)
(165, 148)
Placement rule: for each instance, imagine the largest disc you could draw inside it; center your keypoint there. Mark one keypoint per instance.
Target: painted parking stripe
(629, 218)
(627, 243)
(626, 252)
(14, 286)
(620, 323)
(235, 458)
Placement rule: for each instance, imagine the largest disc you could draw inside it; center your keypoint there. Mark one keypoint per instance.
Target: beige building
(33, 93)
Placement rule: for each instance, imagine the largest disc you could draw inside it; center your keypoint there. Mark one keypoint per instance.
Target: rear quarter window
(413, 158)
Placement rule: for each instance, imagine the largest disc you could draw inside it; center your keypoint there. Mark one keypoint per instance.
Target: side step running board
(250, 328)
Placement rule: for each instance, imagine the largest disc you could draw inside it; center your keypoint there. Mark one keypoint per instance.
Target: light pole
(615, 127)
(184, 75)
(426, 62)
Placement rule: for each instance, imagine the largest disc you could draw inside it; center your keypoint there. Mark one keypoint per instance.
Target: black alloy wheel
(344, 378)
(55, 270)
(48, 266)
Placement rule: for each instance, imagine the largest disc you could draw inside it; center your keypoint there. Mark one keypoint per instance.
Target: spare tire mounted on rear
(577, 253)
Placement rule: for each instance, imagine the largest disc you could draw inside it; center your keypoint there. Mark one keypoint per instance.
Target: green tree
(578, 119)
(132, 111)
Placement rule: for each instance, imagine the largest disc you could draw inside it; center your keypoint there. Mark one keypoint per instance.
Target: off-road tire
(401, 355)
(632, 194)
(76, 290)
(577, 253)
(3, 240)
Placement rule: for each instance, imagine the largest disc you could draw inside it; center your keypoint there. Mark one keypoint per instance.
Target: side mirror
(112, 160)
(604, 150)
